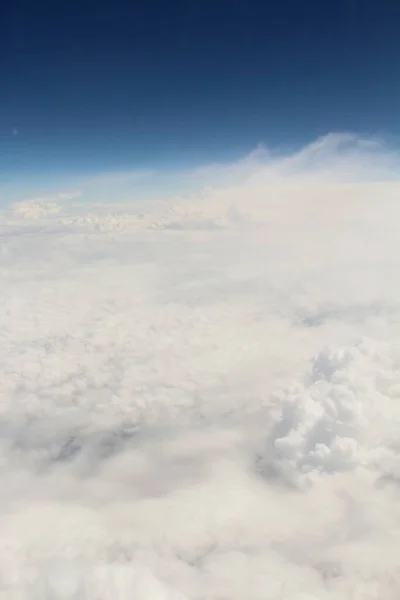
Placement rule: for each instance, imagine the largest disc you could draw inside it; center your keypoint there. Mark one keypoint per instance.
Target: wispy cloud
(57, 196)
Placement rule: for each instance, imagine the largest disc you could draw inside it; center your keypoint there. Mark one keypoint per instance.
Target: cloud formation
(43, 206)
(199, 396)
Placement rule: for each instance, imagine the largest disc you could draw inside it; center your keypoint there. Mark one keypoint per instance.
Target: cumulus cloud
(199, 396)
(344, 417)
(43, 206)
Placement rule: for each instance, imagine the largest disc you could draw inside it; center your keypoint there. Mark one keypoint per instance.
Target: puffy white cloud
(199, 397)
(42, 206)
(35, 209)
(344, 417)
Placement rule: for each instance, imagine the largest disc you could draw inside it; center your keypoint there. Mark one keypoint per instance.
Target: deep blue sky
(87, 86)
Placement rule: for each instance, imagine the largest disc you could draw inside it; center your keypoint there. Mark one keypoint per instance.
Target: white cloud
(344, 417)
(43, 206)
(199, 396)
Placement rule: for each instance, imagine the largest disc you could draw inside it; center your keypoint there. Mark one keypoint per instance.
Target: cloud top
(199, 395)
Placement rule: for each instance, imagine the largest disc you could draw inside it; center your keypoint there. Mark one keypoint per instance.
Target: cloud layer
(199, 396)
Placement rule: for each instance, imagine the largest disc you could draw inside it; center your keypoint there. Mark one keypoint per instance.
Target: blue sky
(88, 88)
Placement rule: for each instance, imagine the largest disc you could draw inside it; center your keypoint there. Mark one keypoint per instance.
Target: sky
(199, 316)
(94, 87)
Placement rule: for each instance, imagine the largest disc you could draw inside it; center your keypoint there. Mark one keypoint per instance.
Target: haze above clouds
(200, 395)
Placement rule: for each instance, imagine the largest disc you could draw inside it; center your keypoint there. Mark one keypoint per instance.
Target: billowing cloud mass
(200, 397)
